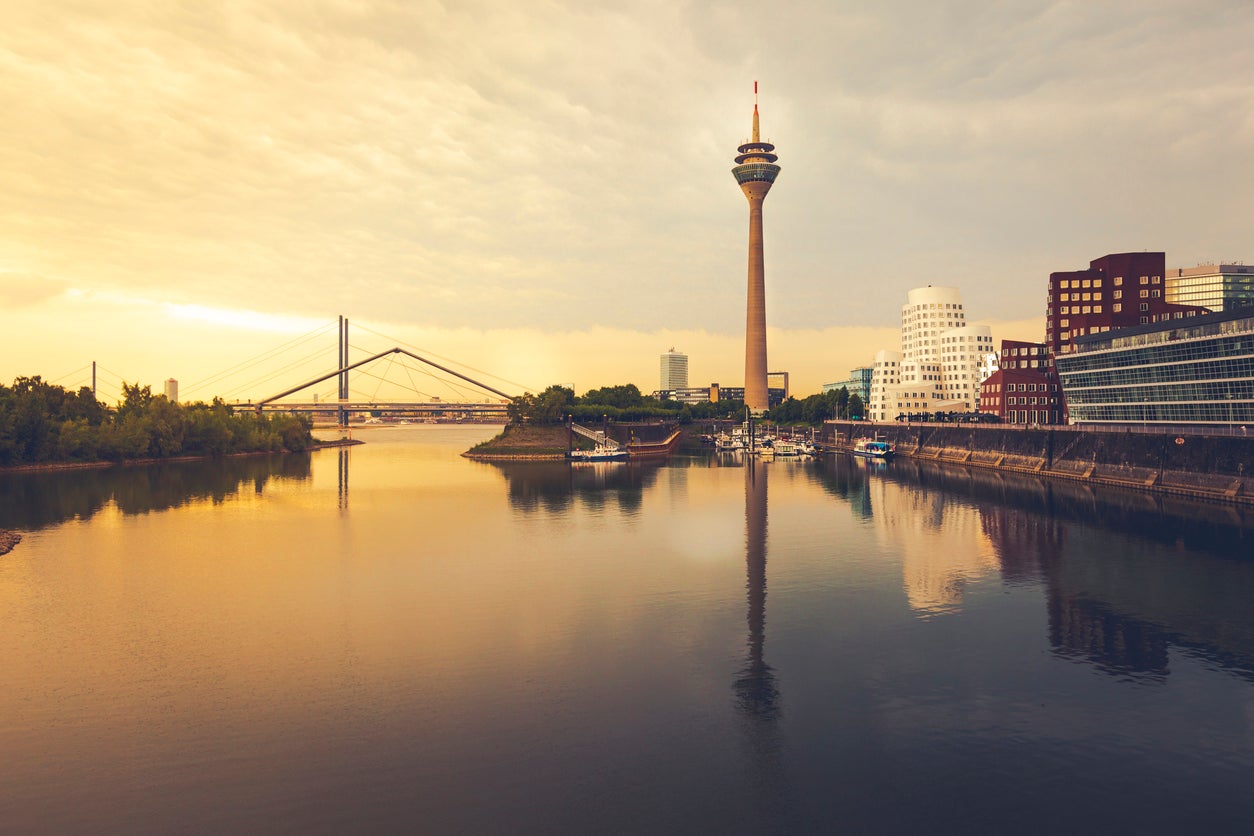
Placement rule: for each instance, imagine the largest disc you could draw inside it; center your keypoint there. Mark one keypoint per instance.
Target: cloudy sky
(542, 190)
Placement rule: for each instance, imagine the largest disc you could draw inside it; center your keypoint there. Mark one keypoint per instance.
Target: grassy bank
(524, 441)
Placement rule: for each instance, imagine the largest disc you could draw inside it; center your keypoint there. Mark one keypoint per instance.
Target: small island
(524, 441)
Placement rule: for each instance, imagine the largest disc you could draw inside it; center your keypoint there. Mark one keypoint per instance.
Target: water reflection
(553, 486)
(342, 483)
(1127, 576)
(31, 501)
(757, 695)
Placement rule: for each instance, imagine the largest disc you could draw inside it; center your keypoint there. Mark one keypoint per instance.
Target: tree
(856, 408)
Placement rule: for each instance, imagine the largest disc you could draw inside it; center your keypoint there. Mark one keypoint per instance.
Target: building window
(1118, 280)
(1144, 294)
(1145, 306)
(1116, 307)
(1157, 293)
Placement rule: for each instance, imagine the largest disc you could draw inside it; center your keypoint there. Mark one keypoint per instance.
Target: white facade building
(674, 367)
(938, 368)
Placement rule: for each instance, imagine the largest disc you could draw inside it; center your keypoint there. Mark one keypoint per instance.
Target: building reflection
(1117, 592)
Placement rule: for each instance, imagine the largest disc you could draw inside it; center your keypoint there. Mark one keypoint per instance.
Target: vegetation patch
(525, 441)
(44, 424)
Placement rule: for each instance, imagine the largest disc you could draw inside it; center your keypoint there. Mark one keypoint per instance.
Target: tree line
(626, 403)
(41, 423)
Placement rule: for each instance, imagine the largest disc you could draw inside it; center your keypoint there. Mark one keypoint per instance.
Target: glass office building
(1220, 287)
(1189, 371)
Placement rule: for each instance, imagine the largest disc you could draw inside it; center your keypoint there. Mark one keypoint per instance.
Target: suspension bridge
(402, 382)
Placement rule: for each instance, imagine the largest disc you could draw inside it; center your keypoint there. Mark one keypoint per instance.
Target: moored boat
(872, 448)
(600, 453)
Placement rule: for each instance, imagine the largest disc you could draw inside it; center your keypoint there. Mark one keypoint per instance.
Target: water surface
(391, 637)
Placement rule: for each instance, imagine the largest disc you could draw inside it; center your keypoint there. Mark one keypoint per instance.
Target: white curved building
(938, 368)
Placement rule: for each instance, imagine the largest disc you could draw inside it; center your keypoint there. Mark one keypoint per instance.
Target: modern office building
(938, 367)
(1220, 287)
(756, 171)
(172, 390)
(674, 370)
(1120, 290)
(1024, 389)
(1197, 370)
(858, 382)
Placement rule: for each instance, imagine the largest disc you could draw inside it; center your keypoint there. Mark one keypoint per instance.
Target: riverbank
(8, 539)
(55, 467)
(1219, 468)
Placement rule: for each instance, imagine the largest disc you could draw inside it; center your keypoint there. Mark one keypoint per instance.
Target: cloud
(21, 290)
(502, 167)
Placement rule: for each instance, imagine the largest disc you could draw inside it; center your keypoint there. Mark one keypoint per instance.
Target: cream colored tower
(755, 171)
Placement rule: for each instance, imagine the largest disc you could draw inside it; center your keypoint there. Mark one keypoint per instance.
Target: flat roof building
(1120, 290)
(1220, 287)
(674, 370)
(1196, 370)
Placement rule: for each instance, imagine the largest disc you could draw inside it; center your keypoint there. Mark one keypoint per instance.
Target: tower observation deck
(756, 171)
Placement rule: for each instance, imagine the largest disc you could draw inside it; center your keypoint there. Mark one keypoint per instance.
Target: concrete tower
(755, 171)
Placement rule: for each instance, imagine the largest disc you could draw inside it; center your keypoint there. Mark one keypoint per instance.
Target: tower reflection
(757, 695)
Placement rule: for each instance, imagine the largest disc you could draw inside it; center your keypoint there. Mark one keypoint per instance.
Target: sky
(542, 190)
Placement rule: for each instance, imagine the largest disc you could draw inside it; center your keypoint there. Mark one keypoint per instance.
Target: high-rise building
(756, 171)
(1117, 291)
(674, 370)
(938, 367)
(172, 390)
(1220, 287)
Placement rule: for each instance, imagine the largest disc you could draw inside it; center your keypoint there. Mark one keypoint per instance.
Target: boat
(872, 448)
(600, 453)
(787, 449)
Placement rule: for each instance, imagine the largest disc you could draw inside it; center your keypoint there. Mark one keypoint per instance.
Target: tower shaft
(756, 171)
(756, 394)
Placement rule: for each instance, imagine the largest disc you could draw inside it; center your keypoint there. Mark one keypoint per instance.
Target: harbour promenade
(1170, 462)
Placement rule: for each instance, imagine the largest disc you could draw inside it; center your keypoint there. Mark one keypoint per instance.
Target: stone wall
(1202, 465)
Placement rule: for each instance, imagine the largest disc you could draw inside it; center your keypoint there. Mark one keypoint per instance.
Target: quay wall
(1219, 467)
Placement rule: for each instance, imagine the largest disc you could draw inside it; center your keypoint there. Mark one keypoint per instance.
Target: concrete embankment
(1212, 467)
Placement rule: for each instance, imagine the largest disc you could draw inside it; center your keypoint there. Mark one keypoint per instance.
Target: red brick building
(1024, 389)
(1117, 291)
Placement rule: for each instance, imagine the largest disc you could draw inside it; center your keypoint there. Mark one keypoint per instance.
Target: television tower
(755, 171)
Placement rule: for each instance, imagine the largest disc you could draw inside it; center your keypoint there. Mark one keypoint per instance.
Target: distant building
(1197, 370)
(172, 390)
(674, 368)
(938, 367)
(1024, 389)
(1220, 287)
(858, 382)
(715, 393)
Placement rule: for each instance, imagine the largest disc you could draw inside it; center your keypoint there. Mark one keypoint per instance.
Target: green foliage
(620, 403)
(41, 423)
(819, 408)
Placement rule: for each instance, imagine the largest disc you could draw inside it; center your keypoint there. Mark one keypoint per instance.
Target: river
(392, 638)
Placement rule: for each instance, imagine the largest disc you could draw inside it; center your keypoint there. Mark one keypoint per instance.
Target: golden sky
(542, 189)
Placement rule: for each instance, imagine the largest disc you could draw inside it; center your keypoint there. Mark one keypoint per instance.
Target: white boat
(787, 449)
(600, 453)
(872, 448)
